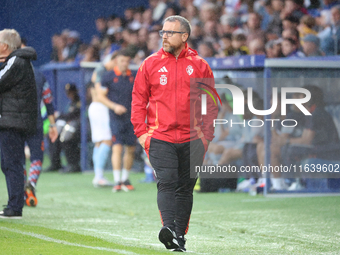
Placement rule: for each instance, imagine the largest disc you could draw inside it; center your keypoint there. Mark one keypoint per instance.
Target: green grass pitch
(72, 217)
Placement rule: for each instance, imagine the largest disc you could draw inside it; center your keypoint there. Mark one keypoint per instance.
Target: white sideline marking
(49, 239)
(110, 234)
(203, 212)
(123, 237)
(294, 195)
(127, 238)
(257, 200)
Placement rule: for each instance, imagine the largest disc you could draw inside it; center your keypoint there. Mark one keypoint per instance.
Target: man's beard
(171, 49)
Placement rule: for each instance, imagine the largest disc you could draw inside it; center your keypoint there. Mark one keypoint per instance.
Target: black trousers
(72, 154)
(172, 164)
(54, 153)
(12, 145)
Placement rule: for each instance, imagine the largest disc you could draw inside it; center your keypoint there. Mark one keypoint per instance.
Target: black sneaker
(181, 242)
(168, 238)
(8, 213)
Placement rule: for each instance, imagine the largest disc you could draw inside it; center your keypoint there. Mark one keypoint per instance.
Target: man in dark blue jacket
(18, 115)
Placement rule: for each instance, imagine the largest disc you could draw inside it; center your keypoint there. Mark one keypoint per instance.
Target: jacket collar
(25, 52)
(119, 73)
(184, 53)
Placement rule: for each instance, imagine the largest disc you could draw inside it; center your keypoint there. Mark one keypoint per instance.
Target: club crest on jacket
(190, 70)
(163, 79)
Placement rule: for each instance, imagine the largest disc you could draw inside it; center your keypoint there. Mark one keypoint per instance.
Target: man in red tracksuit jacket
(176, 135)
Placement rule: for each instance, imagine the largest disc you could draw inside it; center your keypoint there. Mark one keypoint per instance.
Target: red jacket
(162, 92)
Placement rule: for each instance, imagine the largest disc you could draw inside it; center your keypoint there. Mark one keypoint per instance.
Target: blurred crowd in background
(275, 28)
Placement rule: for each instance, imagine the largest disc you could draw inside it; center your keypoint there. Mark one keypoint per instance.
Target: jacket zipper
(176, 103)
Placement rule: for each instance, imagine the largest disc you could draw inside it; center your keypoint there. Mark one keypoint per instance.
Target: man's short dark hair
(291, 40)
(295, 33)
(292, 19)
(124, 52)
(298, 2)
(239, 37)
(227, 36)
(71, 87)
(185, 24)
(101, 18)
(209, 46)
(23, 41)
(133, 32)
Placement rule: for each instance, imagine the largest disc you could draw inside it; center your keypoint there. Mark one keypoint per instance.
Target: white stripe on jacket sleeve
(8, 66)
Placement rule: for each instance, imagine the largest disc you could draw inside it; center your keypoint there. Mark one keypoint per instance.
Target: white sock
(116, 175)
(125, 175)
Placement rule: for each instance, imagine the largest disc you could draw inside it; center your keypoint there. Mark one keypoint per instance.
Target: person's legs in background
(123, 134)
(117, 151)
(128, 138)
(36, 145)
(12, 144)
(54, 155)
(148, 170)
(71, 146)
(101, 137)
(278, 183)
(72, 154)
(260, 151)
(129, 153)
(100, 155)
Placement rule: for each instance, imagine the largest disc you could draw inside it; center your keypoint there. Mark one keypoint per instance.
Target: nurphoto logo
(239, 103)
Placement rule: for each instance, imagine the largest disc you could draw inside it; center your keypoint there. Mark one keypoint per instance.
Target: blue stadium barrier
(244, 70)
